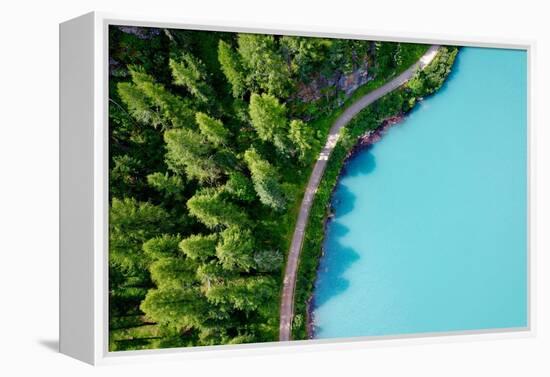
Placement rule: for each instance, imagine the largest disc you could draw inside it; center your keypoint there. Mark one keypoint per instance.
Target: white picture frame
(84, 190)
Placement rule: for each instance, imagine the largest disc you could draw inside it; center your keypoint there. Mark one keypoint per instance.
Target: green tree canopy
(170, 110)
(124, 173)
(212, 273)
(345, 55)
(170, 186)
(432, 77)
(178, 308)
(199, 247)
(190, 152)
(305, 53)
(302, 137)
(139, 105)
(162, 246)
(213, 129)
(213, 210)
(266, 67)
(131, 223)
(265, 179)
(246, 294)
(387, 57)
(232, 68)
(173, 272)
(240, 186)
(236, 249)
(190, 73)
(268, 118)
(268, 260)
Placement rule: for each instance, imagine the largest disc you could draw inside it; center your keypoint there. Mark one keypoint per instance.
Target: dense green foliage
(265, 180)
(210, 152)
(395, 103)
(432, 77)
(268, 117)
(264, 65)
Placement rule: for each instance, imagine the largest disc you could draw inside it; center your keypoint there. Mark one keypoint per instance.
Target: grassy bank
(398, 102)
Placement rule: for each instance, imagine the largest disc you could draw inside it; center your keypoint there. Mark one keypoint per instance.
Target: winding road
(289, 282)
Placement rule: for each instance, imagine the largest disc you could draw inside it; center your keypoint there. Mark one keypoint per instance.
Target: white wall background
(29, 184)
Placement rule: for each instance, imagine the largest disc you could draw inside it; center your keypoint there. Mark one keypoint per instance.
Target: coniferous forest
(212, 140)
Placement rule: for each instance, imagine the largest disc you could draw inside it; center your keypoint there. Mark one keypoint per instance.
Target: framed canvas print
(228, 188)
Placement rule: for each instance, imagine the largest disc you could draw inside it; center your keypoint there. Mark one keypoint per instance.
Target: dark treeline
(209, 154)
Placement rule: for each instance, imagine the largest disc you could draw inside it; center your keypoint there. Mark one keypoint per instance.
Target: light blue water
(430, 227)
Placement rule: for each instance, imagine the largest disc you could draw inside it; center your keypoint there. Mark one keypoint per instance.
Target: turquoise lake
(430, 225)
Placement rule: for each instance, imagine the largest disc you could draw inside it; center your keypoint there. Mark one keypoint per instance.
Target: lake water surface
(430, 231)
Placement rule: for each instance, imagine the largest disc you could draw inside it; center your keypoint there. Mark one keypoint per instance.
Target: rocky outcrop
(140, 32)
(373, 136)
(322, 86)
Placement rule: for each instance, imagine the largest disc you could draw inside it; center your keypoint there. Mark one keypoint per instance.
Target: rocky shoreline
(373, 136)
(363, 142)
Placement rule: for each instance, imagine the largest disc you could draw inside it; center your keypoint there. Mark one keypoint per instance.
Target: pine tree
(164, 246)
(246, 294)
(386, 58)
(190, 152)
(178, 308)
(131, 223)
(236, 248)
(173, 272)
(232, 68)
(212, 273)
(398, 57)
(240, 187)
(212, 129)
(302, 137)
(212, 210)
(266, 67)
(124, 174)
(190, 73)
(268, 118)
(268, 260)
(199, 247)
(171, 110)
(304, 54)
(139, 105)
(170, 186)
(265, 179)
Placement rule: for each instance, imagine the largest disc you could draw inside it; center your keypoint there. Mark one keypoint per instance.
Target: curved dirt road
(289, 282)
